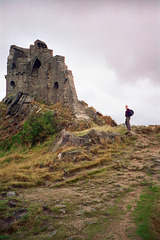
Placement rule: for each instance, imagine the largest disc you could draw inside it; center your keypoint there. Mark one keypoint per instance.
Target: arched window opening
(36, 66)
(66, 80)
(56, 85)
(13, 84)
(13, 66)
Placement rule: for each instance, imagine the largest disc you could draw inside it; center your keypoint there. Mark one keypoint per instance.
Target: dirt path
(101, 206)
(104, 203)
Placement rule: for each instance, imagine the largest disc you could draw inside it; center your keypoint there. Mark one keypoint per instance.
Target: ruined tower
(44, 77)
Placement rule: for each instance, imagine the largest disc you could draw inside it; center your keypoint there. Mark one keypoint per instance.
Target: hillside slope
(82, 192)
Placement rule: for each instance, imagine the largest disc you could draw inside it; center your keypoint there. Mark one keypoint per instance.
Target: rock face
(66, 139)
(46, 78)
(18, 104)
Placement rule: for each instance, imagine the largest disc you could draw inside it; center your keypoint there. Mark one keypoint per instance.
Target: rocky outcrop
(79, 125)
(67, 139)
(18, 104)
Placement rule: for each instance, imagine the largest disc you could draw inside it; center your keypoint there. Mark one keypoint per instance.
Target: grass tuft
(147, 214)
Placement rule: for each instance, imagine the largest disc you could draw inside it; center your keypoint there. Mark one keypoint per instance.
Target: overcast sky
(112, 48)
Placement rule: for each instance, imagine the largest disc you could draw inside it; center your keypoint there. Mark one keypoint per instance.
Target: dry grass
(36, 166)
(22, 166)
(104, 128)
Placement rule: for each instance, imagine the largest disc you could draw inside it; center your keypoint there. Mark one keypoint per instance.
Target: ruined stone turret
(46, 78)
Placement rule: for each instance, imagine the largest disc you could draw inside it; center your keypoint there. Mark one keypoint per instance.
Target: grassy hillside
(106, 190)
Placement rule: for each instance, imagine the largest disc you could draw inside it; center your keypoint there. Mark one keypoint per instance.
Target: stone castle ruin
(42, 76)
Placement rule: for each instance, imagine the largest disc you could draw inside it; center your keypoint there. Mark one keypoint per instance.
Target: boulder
(66, 139)
(11, 194)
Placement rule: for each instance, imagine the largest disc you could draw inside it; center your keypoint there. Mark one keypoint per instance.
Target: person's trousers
(127, 122)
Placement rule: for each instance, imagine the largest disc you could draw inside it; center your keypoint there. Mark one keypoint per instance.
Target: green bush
(38, 127)
(3, 237)
(5, 144)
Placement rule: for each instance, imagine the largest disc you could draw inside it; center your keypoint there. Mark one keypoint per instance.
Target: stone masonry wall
(45, 77)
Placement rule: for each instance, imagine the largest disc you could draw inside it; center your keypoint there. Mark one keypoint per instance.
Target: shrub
(5, 144)
(38, 127)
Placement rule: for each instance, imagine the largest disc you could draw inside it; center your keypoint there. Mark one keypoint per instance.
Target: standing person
(128, 115)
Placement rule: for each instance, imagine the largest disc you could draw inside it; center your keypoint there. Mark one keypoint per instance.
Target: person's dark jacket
(127, 113)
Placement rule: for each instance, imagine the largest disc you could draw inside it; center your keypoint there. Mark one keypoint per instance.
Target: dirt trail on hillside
(111, 196)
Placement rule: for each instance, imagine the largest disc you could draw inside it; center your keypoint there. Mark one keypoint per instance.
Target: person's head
(126, 107)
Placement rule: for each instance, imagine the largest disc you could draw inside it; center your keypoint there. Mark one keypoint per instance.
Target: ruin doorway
(36, 67)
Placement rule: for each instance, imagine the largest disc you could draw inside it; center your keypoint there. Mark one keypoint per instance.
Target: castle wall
(37, 72)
